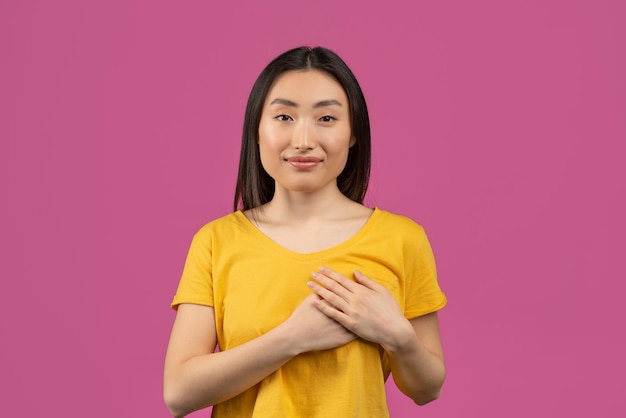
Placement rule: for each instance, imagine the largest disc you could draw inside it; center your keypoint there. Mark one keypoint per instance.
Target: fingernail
(315, 274)
(310, 284)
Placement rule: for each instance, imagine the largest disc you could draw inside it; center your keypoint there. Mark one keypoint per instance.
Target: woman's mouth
(304, 162)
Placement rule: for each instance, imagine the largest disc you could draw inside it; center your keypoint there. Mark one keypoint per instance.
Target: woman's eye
(327, 119)
(283, 117)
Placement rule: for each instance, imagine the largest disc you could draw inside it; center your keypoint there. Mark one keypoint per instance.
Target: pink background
(498, 125)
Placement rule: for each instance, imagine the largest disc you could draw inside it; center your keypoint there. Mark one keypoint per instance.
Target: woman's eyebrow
(325, 103)
(284, 102)
(322, 103)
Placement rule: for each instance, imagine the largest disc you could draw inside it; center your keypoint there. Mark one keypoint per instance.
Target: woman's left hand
(364, 307)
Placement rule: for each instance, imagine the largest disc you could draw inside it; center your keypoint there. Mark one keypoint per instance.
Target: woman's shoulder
(401, 230)
(223, 223)
(398, 223)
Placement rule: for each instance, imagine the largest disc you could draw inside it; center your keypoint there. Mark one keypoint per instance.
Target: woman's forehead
(306, 87)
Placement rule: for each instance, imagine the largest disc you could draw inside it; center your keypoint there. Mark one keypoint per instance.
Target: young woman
(312, 298)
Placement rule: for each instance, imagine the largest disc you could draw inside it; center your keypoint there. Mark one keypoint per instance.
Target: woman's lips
(303, 162)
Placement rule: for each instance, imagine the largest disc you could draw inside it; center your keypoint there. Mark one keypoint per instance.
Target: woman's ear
(352, 141)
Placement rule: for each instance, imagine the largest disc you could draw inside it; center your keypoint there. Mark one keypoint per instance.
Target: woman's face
(304, 132)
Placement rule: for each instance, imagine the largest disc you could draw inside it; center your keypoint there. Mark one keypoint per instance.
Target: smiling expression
(304, 132)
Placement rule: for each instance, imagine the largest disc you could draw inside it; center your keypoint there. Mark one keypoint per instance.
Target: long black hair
(254, 186)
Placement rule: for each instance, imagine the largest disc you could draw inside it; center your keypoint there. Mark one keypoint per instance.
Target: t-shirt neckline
(313, 255)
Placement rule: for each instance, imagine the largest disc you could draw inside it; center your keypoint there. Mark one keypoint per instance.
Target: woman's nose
(303, 136)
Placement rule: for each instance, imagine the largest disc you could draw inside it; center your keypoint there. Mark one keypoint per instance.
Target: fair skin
(304, 138)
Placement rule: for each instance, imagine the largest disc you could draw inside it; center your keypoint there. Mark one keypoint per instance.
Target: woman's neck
(306, 223)
(288, 206)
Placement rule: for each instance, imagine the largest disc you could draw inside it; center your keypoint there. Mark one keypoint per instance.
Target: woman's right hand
(312, 330)
(196, 376)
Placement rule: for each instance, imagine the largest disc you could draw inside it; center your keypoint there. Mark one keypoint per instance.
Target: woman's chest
(256, 291)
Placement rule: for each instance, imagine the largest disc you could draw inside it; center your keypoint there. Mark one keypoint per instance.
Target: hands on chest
(340, 309)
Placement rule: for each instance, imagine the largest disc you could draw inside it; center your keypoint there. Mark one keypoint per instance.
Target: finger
(330, 311)
(329, 295)
(332, 285)
(339, 278)
(366, 281)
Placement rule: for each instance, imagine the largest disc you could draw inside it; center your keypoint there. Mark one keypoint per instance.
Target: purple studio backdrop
(498, 125)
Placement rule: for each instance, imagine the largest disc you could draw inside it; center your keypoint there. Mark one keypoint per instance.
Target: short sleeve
(423, 294)
(196, 282)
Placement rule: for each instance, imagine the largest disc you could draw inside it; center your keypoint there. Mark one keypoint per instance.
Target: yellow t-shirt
(254, 284)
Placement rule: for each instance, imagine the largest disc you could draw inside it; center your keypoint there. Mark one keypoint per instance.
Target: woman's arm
(416, 359)
(196, 377)
(366, 308)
